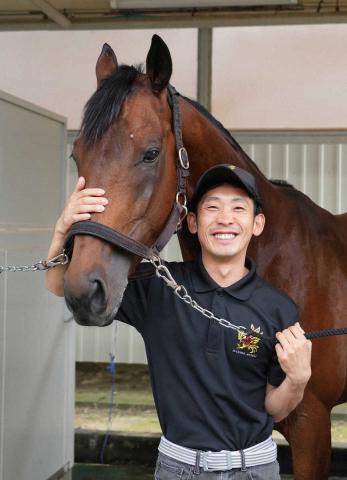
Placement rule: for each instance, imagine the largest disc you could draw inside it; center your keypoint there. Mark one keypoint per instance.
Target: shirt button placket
(215, 332)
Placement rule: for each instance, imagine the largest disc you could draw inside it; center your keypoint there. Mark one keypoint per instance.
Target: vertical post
(204, 67)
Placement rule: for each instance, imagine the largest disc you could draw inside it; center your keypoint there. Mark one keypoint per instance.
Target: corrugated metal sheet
(314, 162)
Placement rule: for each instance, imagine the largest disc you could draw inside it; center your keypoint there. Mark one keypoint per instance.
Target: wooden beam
(52, 13)
(178, 21)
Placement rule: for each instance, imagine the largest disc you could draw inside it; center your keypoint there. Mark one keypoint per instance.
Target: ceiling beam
(180, 21)
(52, 13)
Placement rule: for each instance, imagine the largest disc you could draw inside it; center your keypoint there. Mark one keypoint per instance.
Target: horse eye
(151, 155)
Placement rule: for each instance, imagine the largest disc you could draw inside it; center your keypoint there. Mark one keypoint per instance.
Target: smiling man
(217, 391)
(229, 215)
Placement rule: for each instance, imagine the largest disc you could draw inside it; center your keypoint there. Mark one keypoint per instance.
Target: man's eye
(212, 207)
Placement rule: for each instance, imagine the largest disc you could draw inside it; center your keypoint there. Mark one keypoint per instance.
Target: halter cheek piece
(178, 213)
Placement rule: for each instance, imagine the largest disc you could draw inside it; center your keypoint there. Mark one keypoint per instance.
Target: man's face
(225, 222)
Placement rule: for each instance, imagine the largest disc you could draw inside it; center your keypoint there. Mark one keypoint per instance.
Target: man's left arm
(294, 356)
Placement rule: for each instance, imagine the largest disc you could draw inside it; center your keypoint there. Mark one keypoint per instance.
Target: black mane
(233, 142)
(282, 183)
(215, 122)
(103, 107)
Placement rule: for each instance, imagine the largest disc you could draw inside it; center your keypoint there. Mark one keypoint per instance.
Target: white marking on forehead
(131, 135)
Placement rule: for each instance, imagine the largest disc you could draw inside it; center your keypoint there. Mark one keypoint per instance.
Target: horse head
(125, 146)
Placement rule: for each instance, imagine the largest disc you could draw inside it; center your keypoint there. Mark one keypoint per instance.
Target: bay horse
(126, 145)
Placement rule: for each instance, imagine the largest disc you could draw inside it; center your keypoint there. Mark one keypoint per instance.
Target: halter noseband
(178, 212)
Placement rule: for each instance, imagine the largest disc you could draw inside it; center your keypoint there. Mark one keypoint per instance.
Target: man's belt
(260, 454)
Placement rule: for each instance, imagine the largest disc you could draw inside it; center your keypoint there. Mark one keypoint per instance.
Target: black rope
(329, 332)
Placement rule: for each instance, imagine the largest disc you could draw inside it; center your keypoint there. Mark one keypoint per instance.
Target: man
(217, 390)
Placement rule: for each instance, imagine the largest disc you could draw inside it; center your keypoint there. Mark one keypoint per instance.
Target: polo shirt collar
(241, 290)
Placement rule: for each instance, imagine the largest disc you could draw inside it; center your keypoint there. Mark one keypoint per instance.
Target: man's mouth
(225, 236)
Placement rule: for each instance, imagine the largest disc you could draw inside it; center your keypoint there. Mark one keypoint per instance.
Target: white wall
(281, 77)
(264, 77)
(57, 69)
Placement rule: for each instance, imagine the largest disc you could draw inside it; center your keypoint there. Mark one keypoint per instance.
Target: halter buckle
(183, 158)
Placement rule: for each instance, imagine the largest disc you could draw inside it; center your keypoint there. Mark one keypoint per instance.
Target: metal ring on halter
(183, 158)
(184, 198)
(183, 215)
(184, 212)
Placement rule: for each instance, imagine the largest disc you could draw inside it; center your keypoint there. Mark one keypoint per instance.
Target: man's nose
(225, 217)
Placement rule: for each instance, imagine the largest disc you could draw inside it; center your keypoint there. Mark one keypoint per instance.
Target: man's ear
(192, 223)
(259, 224)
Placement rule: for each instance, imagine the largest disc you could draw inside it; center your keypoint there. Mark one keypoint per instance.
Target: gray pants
(170, 469)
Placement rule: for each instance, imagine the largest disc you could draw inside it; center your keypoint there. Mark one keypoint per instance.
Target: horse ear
(158, 64)
(106, 64)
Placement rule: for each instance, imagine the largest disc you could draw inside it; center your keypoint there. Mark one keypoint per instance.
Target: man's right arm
(81, 204)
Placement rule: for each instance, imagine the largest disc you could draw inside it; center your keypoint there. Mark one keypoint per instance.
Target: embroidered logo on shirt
(248, 344)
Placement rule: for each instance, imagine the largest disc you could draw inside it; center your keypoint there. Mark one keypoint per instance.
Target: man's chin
(225, 252)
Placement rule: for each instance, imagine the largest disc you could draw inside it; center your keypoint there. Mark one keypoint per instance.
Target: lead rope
(179, 290)
(61, 259)
(163, 272)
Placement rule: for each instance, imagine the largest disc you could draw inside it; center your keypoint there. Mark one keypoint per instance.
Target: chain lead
(163, 272)
(61, 259)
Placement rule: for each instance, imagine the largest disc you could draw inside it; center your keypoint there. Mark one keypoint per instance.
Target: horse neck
(207, 146)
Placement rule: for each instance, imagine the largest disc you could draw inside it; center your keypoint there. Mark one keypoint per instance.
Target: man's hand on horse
(81, 204)
(294, 354)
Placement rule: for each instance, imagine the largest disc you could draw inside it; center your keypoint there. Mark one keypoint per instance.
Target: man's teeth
(225, 236)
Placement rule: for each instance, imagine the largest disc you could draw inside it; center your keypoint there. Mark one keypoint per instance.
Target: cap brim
(218, 175)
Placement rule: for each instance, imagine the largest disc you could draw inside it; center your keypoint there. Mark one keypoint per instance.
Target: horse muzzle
(90, 308)
(95, 281)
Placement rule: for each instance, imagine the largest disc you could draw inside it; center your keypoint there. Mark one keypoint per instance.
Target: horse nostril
(97, 294)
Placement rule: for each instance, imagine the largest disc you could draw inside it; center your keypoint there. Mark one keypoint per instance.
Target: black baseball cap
(225, 173)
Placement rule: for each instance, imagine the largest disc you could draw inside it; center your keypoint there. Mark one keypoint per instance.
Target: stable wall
(37, 345)
(263, 77)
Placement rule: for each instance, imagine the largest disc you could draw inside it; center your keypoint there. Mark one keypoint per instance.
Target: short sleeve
(287, 317)
(133, 309)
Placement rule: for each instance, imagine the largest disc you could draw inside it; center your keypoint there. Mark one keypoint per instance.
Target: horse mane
(232, 141)
(282, 183)
(227, 135)
(103, 107)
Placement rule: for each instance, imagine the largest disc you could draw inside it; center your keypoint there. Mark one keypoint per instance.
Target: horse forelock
(104, 106)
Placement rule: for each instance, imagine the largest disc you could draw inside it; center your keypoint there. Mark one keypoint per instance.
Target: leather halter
(178, 211)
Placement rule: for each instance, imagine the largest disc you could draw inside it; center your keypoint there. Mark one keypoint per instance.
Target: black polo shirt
(208, 381)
